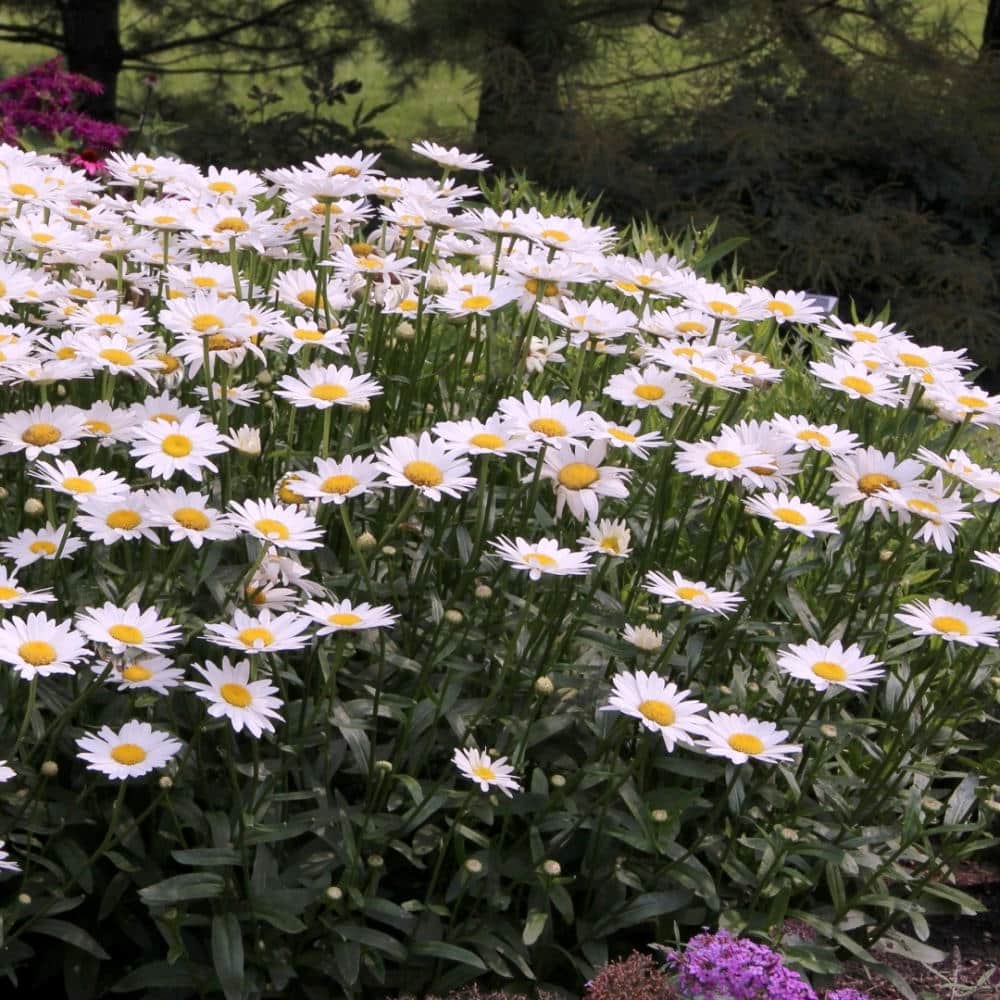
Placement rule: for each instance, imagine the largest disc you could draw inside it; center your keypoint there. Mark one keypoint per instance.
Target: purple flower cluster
(847, 994)
(723, 967)
(43, 99)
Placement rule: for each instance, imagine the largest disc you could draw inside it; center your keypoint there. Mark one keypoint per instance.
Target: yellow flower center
(108, 319)
(166, 418)
(649, 392)
(327, 392)
(204, 322)
(128, 634)
(705, 374)
(191, 518)
(271, 528)
(43, 547)
(231, 224)
(875, 482)
(949, 625)
(344, 619)
(722, 458)
(66, 353)
(37, 653)
(136, 673)
(19, 190)
(610, 544)
(864, 336)
(249, 636)
(555, 234)
(236, 694)
(39, 435)
(913, 360)
(9, 593)
(619, 435)
(42, 237)
(128, 754)
(485, 440)
(829, 671)
(165, 220)
(344, 170)
(923, 506)
(789, 515)
(627, 286)
(339, 484)
(116, 357)
(548, 426)
(539, 559)
(858, 384)
(658, 711)
(177, 445)
(307, 298)
(578, 475)
(745, 743)
(691, 326)
(168, 362)
(220, 342)
(690, 593)
(422, 473)
(77, 484)
(548, 289)
(477, 302)
(817, 436)
(123, 520)
(777, 306)
(222, 187)
(81, 293)
(289, 495)
(716, 305)
(972, 402)
(307, 335)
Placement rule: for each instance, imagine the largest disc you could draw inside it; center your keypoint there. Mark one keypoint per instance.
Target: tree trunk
(991, 31)
(93, 47)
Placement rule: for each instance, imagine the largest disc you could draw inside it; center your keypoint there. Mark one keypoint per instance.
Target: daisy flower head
(282, 525)
(950, 621)
(857, 382)
(739, 738)
(451, 157)
(232, 695)
(338, 480)
(6, 773)
(38, 646)
(542, 557)
(989, 560)
(694, 593)
(865, 475)
(643, 637)
(122, 629)
(724, 458)
(941, 512)
(788, 307)
(649, 387)
(478, 766)
(628, 436)
(566, 233)
(167, 448)
(341, 616)
(123, 518)
(187, 514)
(147, 672)
(607, 538)
(43, 430)
(792, 514)
(425, 465)
(580, 480)
(802, 434)
(479, 296)
(493, 436)
(958, 400)
(597, 320)
(658, 704)
(543, 420)
(29, 546)
(64, 477)
(267, 633)
(831, 664)
(12, 593)
(136, 749)
(783, 463)
(321, 386)
(719, 303)
(6, 865)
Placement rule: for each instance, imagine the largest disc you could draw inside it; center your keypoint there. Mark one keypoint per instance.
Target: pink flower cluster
(42, 99)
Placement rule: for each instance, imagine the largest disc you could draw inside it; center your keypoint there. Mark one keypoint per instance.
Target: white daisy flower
(608, 538)
(792, 514)
(694, 593)
(29, 546)
(724, 458)
(802, 434)
(6, 773)
(559, 422)
(857, 382)
(187, 514)
(649, 387)
(450, 157)
(38, 646)
(168, 448)
(858, 333)
(12, 593)
(267, 633)
(136, 749)
(232, 695)
(143, 673)
(990, 560)
(321, 386)
(495, 436)
(340, 616)
(44, 430)
(338, 480)
(643, 637)
(628, 436)
(6, 865)
(86, 484)
(477, 296)
(579, 479)
(122, 518)
(542, 557)
(940, 512)
(128, 628)
(866, 474)
(739, 738)
(426, 465)
(658, 704)
(479, 767)
(959, 400)
(281, 525)
(788, 307)
(826, 664)
(950, 621)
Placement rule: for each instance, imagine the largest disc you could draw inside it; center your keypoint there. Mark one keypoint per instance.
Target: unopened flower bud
(437, 284)
(335, 893)
(264, 377)
(376, 861)
(61, 391)
(753, 687)
(483, 592)
(366, 540)
(389, 550)
(405, 330)
(544, 687)
(485, 262)
(473, 866)
(3, 493)
(361, 406)
(931, 804)
(885, 555)
(828, 730)
(551, 868)
(24, 899)
(659, 816)
(453, 616)
(993, 805)
(385, 766)
(558, 780)
(787, 833)
(49, 768)
(166, 782)
(33, 507)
